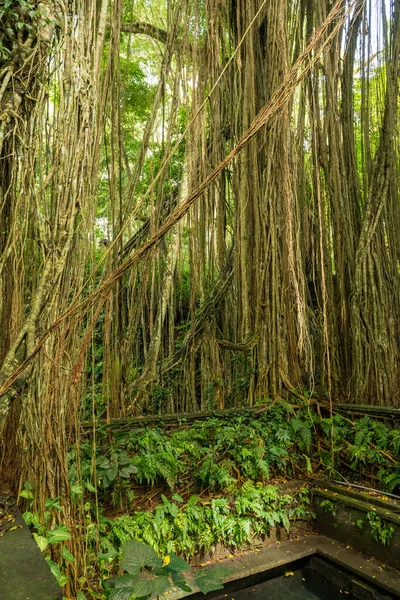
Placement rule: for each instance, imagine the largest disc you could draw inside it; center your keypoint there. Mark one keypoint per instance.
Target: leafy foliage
(215, 454)
(18, 19)
(198, 525)
(116, 464)
(380, 531)
(213, 479)
(148, 574)
(49, 534)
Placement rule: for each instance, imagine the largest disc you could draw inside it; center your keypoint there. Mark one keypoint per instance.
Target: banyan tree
(199, 209)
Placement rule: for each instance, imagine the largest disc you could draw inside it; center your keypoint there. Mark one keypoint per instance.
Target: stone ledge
(24, 574)
(274, 558)
(367, 567)
(346, 521)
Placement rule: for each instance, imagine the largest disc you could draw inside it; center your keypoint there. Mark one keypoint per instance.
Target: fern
(282, 435)
(304, 432)
(394, 441)
(389, 479)
(108, 550)
(237, 456)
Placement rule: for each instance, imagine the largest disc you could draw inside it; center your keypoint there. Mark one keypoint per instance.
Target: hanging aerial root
(319, 41)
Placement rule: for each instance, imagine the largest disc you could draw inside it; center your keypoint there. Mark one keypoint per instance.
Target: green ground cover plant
(148, 575)
(218, 482)
(287, 441)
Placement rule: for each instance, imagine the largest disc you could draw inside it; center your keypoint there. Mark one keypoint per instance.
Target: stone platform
(24, 574)
(248, 567)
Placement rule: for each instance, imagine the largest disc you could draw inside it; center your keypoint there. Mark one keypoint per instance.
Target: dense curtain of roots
(262, 253)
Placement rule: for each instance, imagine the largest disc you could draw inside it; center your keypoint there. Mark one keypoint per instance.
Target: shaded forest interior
(199, 210)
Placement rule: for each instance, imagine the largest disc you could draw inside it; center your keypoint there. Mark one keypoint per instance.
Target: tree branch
(145, 29)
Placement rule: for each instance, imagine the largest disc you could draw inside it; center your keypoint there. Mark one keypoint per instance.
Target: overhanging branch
(146, 29)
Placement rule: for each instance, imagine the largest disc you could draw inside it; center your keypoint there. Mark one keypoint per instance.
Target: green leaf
(129, 585)
(53, 503)
(173, 510)
(26, 494)
(110, 475)
(121, 594)
(102, 462)
(28, 517)
(219, 572)
(308, 463)
(177, 563)
(206, 582)
(160, 585)
(41, 528)
(143, 587)
(66, 554)
(59, 534)
(61, 578)
(90, 487)
(127, 471)
(136, 555)
(125, 581)
(159, 515)
(41, 541)
(180, 581)
(76, 489)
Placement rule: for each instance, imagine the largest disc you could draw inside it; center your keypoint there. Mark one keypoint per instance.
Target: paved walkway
(24, 574)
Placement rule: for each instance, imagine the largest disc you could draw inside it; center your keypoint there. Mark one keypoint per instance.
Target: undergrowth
(215, 482)
(198, 525)
(286, 442)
